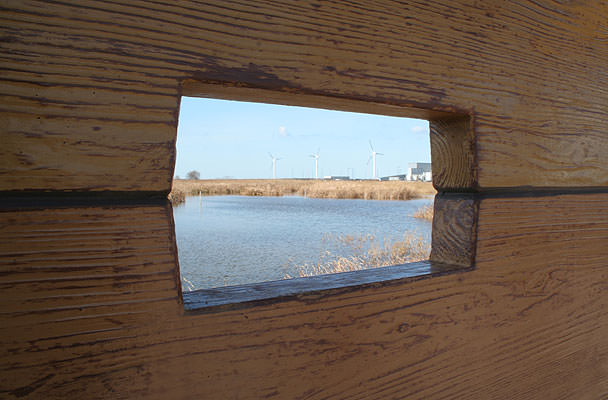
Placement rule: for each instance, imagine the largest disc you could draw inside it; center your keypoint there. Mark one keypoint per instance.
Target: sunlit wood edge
(310, 289)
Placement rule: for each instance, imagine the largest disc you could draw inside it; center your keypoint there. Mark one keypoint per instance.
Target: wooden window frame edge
(454, 231)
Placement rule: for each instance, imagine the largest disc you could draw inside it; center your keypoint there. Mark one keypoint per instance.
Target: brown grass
(369, 190)
(425, 212)
(177, 196)
(366, 252)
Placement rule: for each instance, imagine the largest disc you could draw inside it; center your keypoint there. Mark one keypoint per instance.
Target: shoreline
(311, 188)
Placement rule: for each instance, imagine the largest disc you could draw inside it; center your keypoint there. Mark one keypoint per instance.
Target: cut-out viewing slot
(295, 203)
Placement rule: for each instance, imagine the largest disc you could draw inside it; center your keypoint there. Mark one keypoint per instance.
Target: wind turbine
(373, 158)
(316, 157)
(274, 165)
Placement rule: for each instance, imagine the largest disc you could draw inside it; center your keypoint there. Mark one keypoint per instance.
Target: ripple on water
(232, 240)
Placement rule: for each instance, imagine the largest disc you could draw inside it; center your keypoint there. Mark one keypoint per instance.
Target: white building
(419, 172)
(400, 177)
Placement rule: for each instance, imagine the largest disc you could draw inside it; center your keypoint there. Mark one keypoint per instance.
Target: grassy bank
(369, 190)
(366, 251)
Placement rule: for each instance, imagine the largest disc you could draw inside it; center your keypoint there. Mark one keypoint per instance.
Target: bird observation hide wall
(517, 98)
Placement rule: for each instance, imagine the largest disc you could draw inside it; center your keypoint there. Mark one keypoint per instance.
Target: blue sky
(221, 139)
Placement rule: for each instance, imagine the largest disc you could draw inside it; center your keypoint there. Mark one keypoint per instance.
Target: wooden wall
(90, 296)
(90, 90)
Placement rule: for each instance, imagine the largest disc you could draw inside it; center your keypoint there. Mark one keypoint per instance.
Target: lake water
(232, 240)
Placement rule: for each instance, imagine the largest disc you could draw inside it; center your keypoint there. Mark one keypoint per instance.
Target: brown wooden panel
(81, 278)
(454, 232)
(90, 90)
(225, 298)
(453, 154)
(90, 303)
(102, 318)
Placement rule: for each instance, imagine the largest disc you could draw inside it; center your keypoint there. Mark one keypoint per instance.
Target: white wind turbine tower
(274, 165)
(316, 157)
(373, 158)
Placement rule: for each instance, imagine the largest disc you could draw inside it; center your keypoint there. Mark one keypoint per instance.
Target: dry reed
(425, 212)
(177, 196)
(369, 190)
(187, 285)
(366, 252)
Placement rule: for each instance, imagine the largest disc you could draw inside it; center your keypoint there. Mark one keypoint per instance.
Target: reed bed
(365, 251)
(177, 196)
(425, 212)
(368, 190)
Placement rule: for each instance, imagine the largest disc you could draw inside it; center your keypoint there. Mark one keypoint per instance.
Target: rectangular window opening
(273, 201)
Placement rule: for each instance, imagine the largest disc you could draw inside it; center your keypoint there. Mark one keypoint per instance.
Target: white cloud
(282, 131)
(418, 129)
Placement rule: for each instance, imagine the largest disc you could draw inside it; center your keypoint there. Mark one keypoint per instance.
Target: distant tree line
(195, 175)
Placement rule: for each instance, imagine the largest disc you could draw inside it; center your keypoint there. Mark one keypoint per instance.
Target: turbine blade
(379, 154)
(370, 145)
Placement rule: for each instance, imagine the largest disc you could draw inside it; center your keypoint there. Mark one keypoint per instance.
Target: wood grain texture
(90, 303)
(453, 154)
(316, 287)
(81, 278)
(90, 90)
(90, 309)
(454, 229)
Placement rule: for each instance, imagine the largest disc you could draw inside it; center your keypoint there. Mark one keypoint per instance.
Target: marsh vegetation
(232, 240)
(312, 188)
(425, 212)
(364, 251)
